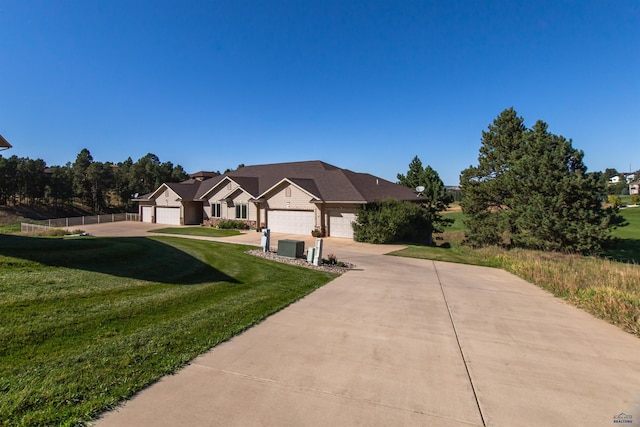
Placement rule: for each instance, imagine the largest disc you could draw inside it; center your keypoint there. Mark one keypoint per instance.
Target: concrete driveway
(407, 342)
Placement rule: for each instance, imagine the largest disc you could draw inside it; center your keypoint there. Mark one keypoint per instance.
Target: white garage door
(147, 212)
(294, 222)
(340, 224)
(168, 216)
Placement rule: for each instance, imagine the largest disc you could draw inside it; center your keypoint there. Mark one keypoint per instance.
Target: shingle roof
(327, 182)
(4, 143)
(185, 190)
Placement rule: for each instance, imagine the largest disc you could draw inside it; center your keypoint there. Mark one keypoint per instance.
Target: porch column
(257, 205)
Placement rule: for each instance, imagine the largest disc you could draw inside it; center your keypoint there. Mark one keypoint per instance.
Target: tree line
(95, 186)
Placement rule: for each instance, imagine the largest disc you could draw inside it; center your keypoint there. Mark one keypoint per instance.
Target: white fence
(77, 221)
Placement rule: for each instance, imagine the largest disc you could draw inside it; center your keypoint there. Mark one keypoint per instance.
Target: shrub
(233, 225)
(391, 221)
(634, 199)
(614, 201)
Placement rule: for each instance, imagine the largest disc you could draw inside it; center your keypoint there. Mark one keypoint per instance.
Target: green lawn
(458, 217)
(87, 322)
(9, 228)
(198, 231)
(627, 249)
(632, 230)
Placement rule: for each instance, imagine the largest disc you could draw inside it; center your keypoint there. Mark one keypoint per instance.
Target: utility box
(291, 248)
(265, 241)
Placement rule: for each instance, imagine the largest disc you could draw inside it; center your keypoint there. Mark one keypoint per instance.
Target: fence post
(67, 221)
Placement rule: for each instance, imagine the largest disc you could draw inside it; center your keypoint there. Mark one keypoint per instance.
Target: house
(634, 187)
(296, 198)
(614, 179)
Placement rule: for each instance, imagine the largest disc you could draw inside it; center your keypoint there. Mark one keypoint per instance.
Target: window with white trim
(215, 210)
(241, 211)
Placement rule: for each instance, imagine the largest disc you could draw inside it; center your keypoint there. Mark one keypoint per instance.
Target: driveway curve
(401, 341)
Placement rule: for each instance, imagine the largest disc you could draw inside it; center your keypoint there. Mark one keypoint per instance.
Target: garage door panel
(293, 222)
(169, 216)
(147, 213)
(340, 224)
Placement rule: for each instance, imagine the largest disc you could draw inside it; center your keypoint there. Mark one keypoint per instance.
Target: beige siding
(228, 210)
(168, 198)
(297, 200)
(217, 197)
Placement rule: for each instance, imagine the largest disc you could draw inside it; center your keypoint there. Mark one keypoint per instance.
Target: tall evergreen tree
(31, 179)
(125, 185)
(60, 186)
(81, 182)
(435, 198)
(8, 179)
(100, 177)
(531, 189)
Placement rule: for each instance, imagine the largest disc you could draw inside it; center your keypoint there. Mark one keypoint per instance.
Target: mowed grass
(627, 247)
(608, 286)
(198, 231)
(87, 322)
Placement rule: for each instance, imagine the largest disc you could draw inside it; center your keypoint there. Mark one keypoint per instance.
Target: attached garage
(147, 213)
(340, 224)
(168, 216)
(293, 222)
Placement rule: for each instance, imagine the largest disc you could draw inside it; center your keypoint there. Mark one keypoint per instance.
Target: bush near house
(391, 221)
(230, 224)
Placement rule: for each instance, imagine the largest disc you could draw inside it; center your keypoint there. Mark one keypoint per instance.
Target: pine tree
(434, 197)
(531, 189)
(81, 182)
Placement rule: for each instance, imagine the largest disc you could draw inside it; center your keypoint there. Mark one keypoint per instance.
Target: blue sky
(364, 85)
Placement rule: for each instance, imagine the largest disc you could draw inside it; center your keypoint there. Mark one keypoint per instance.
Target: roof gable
(308, 186)
(247, 184)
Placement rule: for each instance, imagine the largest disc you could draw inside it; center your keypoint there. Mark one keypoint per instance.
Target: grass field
(87, 322)
(198, 231)
(607, 286)
(627, 248)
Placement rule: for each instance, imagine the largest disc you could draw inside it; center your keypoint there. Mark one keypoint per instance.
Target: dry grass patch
(607, 289)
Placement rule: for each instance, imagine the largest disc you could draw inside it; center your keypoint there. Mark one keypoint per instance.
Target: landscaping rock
(302, 262)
